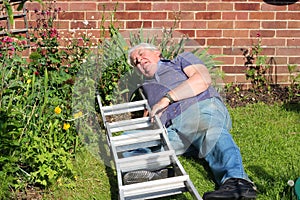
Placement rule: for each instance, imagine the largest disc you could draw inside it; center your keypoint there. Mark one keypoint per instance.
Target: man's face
(146, 61)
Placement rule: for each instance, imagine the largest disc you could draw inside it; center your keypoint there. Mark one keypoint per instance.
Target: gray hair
(141, 46)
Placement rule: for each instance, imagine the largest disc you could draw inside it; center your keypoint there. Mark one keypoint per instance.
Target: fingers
(159, 107)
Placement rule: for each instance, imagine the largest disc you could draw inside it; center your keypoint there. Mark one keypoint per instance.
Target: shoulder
(188, 58)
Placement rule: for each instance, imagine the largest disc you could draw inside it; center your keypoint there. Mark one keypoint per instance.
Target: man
(180, 92)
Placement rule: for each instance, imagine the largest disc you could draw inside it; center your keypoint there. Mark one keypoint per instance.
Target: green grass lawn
(268, 136)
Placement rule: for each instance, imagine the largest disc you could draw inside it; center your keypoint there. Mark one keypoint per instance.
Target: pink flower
(258, 35)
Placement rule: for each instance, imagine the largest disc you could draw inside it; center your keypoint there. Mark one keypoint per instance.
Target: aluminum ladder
(146, 134)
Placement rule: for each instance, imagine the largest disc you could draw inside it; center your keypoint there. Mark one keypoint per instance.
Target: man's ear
(157, 52)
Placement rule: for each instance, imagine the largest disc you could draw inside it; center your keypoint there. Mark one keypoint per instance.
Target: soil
(236, 97)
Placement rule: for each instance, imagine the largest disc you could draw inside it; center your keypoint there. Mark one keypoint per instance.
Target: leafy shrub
(38, 137)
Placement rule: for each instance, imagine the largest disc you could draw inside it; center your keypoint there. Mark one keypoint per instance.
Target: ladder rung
(130, 124)
(160, 187)
(151, 161)
(124, 107)
(145, 138)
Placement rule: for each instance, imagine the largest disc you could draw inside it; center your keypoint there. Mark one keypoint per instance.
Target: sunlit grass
(268, 137)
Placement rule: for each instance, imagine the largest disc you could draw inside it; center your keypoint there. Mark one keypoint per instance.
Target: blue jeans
(205, 126)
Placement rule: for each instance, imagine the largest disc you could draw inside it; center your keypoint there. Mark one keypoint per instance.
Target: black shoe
(233, 189)
(144, 175)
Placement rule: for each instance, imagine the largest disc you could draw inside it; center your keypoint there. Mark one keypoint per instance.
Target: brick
(280, 60)
(208, 15)
(233, 51)
(97, 15)
(269, 7)
(108, 6)
(219, 6)
(235, 16)
(247, 6)
(219, 42)
(158, 6)
(192, 6)
(220, 24)
(287, 15)
(200, 41)
(163, 23)
(189, 33)
(268, 51)
(181, 16)
(81, 25)
(242, 79)
(262, 15)
(273, 42)
(247, 24)
(274, 24)
(229, 79)
(31, 6)
(244, 42)
(138, 24)
(290, 33)
(154, 15)
(138, 6)
(71, 16)
(193, 24)
(83, 6)
(293, 24)
(214, 51)
(288, 51)
(127, 15)
(293, 42)
(281, 69)
(191, 44)
(225, 60)
(294, 7)
(282, 79)
(62, 24)
(262, 33)
(294, 60)
(63, 6)
(234, 69)
(235, 33)
(209, 33)
(117, 24)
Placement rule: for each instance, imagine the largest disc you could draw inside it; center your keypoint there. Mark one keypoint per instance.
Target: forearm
(197, 83)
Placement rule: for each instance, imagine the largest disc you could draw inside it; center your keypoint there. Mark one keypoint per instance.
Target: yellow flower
(66, 126)
(57, 110)
(77, 115)
(28, 81)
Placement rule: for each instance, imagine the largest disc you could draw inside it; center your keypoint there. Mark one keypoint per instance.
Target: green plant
(257, 65)
(38, 137)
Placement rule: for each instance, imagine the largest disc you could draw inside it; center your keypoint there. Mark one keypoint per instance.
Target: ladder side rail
(192, 189)
(101, 109)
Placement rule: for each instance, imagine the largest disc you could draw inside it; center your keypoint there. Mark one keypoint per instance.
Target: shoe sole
(143, 176)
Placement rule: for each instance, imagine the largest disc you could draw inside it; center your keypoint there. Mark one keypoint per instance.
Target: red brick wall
(225, 26)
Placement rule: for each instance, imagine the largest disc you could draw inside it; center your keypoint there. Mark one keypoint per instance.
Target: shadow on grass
(109, 168)
(294, 107)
